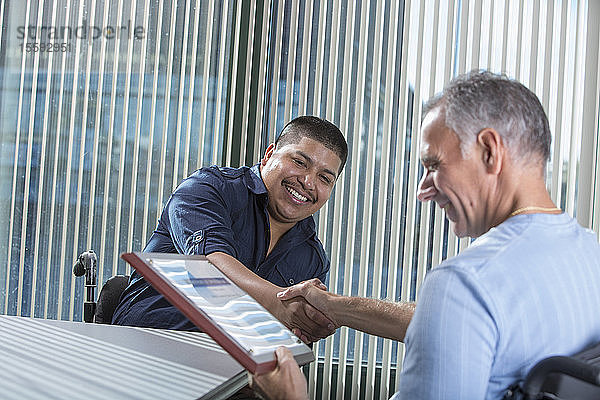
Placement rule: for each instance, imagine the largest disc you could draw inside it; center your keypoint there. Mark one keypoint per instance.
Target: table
(68, 360)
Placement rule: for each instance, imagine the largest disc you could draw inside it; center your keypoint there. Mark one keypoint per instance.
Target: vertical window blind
(106, 106)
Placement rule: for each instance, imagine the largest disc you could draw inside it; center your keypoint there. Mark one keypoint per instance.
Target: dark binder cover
(216, 305)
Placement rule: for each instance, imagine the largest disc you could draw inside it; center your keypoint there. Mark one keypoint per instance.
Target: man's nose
(308, 181)
(426, 190)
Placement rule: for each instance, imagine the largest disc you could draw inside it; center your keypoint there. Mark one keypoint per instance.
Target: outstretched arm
(294, 313)
(376, 317)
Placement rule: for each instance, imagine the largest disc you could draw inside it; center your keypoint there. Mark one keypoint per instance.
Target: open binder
(216, 305)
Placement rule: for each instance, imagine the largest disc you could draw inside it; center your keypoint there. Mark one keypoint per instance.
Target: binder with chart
(217, 306)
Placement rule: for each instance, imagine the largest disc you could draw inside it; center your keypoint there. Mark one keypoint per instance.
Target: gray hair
(481, 99)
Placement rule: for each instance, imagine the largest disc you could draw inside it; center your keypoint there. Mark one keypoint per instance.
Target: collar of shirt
(254, 180)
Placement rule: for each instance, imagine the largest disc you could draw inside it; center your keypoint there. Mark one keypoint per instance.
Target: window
(105, 107)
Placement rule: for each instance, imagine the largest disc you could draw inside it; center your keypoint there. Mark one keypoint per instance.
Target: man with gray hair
(528, 287)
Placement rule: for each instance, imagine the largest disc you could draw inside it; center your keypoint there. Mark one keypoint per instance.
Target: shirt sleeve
(451, 340)
(199, 220)
(323, 275)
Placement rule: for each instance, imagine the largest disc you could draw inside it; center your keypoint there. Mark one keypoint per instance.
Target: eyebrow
(426, 160)
(310, 160)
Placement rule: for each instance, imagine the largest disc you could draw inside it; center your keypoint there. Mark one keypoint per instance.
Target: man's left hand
(286, 381)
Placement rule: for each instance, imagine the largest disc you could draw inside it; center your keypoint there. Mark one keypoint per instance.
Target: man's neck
(277, 230)
(527, 194)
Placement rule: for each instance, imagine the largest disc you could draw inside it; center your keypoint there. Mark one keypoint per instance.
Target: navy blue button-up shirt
(222, 209)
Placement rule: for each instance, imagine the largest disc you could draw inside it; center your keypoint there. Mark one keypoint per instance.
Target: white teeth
(297, 195)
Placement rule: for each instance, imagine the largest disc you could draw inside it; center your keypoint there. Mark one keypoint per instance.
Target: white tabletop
(70, 360)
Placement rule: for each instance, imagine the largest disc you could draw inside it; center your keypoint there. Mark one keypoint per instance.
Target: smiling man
(255, 224)
(527, 288)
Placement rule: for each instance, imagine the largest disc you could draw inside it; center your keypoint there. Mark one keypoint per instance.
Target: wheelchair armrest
(560, 364)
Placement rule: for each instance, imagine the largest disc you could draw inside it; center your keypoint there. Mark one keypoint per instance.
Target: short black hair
(317, 129)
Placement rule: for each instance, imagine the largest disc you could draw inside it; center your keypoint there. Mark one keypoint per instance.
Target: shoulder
(214, 175)
(227, 182)
(525, 242)
(478, 270)
(470, 277)
(517, 261)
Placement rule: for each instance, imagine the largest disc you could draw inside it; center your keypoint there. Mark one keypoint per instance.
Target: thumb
(284, 355)
(290, 293)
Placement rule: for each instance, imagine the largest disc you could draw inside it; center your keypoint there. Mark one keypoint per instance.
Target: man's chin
(286, 218)
(463, 232)
(459, 231)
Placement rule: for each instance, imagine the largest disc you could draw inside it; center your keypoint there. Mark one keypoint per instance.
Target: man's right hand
(315, 296)
(307, 322)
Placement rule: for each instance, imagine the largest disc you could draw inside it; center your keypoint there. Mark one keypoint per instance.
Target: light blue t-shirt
(526, 290)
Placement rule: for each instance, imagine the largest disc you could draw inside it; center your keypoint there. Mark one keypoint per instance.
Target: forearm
(294, 314)
(260, 289)
(376, 317)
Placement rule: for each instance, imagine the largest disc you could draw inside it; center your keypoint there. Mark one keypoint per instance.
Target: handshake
(313, 313)
(309, 310)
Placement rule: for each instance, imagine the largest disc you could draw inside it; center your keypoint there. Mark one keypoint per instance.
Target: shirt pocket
(283, 277)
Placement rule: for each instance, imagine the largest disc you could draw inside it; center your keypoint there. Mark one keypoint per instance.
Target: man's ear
(492, 150)
(268, 154)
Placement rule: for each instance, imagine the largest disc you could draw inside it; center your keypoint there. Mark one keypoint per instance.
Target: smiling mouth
(297, 196)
